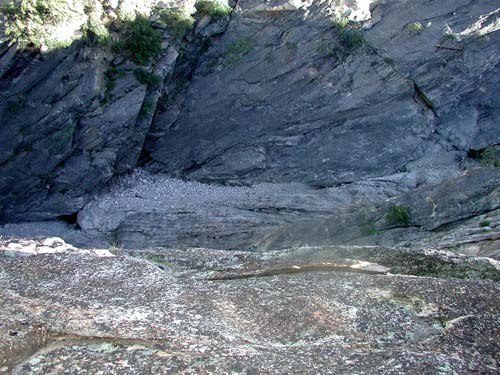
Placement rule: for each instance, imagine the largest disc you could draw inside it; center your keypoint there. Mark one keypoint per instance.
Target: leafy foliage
(350, 36)
(142, 42)
(490, 157)
(236, 50)
(369, 228)
(111, 75)
(95, 32)
(414, 28)
(147, 78)
(214, 9)
(398, 215)
(485, 223)
(27, 21)
(178, 22)
(147, 107)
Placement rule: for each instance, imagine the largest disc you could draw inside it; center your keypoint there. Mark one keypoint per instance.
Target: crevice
(285, 210)
(193, 167)
(460, 220)
(294, 269)
(181, 76)
(70, 219)
(423, 99)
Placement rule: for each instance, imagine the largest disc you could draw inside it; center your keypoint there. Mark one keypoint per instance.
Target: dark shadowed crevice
(70, 219)
(190, 55)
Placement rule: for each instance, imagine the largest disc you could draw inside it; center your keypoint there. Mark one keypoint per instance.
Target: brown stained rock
(120, 315)
(18, 340)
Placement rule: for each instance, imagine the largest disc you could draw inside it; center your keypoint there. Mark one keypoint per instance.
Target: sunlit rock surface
(188, 311)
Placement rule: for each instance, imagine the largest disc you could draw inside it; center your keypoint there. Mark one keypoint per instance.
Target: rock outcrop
(279, 187)
(282, 92)
(288, 95)
(147, 211)
(202, 311)
(73, 118)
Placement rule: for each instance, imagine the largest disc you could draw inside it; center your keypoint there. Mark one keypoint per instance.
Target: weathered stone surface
(144, 210)
(69, 124)
(60, 152)
(477, 236)
(429, 208)
(282, 98)
(148, 211)
(315, 135)
(447, 49)
(279, 99)
(124, 315)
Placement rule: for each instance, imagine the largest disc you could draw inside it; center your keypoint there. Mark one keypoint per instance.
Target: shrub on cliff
(398, 215)
(214, 9)
(178, 22)
(142, 42)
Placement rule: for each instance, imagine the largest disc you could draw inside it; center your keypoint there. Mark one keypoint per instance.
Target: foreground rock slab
(75, 312)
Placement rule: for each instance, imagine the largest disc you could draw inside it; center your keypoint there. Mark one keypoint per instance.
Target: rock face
(288, 187)
(285, 96)
(148, 211)
(64, 143)
(81, 312)
(71, 119)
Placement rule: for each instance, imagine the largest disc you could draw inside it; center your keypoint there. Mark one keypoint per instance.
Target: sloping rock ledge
(322, 310)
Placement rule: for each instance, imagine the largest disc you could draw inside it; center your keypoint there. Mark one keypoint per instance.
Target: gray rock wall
(71, 119)
(284, 97)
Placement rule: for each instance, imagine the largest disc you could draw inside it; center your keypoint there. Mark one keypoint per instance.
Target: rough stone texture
(281, 98)
(66, 130)
(277, 97)
(476, 236)
(321, 138)
(429, 209)
(456, 83)
(145, 210)
(119, 315)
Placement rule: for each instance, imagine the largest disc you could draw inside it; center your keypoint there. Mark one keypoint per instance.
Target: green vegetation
(147, 78)
(369, 228)
(414, 28)
(115, 248)
(178, 22)
(325, 47)
(95, 32)
(485, 223)
(398, 215)
(28, 21)
(142, 42)
(111, 74)
(214, 9)
(292, 46)
(60, 139)
(350, 36)
(340, 22)
(147, 107)
(236, 50)
(490, 157)
(448, 34)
